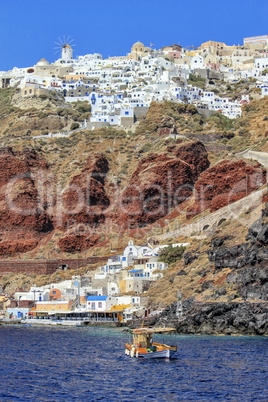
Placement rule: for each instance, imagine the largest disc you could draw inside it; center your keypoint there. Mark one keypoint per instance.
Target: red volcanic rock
(78, 242)
(195, 154)
(19, 208)
(14, 166)
(160, 183)
(85, 200)
(225, 183)
(11, 167)
(33, 159)
(20, 212)
(9, 248)
(265, 197)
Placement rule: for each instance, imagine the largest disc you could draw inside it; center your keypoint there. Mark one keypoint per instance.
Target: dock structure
(76, 318)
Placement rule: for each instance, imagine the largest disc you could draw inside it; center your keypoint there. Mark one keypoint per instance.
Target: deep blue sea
(88, 364)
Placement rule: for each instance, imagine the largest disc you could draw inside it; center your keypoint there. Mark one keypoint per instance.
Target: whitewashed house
(261, 62)
(97, 303)
(197, 62)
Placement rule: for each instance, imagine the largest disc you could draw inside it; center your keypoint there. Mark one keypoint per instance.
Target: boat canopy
(153, 330)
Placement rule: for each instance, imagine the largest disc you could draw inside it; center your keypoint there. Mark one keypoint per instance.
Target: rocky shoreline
(213, 318)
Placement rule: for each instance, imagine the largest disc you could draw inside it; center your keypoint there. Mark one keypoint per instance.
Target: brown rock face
(74, 243)
(161, 183)
(225, 183)
(85, 200)
(13, 247)
(22, 224)
(10, 166)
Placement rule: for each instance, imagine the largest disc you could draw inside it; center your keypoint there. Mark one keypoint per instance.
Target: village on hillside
(113, 293)
(120, 89)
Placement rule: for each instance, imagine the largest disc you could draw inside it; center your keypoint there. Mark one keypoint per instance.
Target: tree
(171, 254)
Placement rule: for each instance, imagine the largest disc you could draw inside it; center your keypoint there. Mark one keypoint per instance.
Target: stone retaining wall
(46, 267)
(206, 225)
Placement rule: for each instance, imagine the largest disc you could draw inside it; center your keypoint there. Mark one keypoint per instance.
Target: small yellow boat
(143, 346)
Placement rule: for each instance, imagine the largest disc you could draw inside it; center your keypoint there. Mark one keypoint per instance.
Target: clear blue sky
(29, 29)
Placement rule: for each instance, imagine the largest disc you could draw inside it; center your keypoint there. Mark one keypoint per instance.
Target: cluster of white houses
(119, 88)
(114, 292)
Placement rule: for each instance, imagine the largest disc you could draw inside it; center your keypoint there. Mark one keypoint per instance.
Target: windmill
(65, 46)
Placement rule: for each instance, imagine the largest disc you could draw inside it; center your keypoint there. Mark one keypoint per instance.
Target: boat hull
(163, 353)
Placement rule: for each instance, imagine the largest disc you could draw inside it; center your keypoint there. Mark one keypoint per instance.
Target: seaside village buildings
(110, 293)
(120, 89)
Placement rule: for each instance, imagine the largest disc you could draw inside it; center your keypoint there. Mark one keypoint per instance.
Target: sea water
(88, 364)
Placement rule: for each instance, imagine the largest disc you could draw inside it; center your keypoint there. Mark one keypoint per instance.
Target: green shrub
(146, 147)
(83, 107)
(74, 126)
(171, 254)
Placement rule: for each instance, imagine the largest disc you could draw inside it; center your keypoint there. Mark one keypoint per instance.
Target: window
(99, 304)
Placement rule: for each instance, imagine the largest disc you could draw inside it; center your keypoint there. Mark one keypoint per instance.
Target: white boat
(143, 346)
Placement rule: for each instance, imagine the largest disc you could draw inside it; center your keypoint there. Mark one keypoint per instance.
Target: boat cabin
(143, 337)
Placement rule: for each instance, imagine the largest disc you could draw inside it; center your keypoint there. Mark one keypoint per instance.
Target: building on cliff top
(253, 40)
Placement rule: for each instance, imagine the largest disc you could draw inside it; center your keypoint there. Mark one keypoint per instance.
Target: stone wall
(205, 226)
(140, 112)
(46, 267)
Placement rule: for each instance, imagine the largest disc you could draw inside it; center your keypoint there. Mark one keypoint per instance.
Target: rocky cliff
(225, 183)
(237, 273)
(22, 223)
(162, 182)
(249, 260)
(73, 194)
(30, 196)
(214, 318)
(218, 318)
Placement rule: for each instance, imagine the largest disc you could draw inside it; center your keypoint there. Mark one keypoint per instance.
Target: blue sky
(29, 29)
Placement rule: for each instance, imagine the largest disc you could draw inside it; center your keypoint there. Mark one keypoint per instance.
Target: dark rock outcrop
(249, 260)
(218, 318)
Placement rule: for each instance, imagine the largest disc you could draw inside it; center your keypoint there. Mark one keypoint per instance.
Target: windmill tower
(66, 48)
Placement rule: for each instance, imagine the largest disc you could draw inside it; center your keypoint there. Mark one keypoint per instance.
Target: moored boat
(143, 346)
